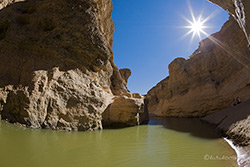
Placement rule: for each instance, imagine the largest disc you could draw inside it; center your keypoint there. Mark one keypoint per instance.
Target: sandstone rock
(67, 100)
(118, 85)
(56, 68)
(233, 122)
(136, 95)
(4, 3)
(125, 111)
(239, 10)
(57, 60)
(207, 82)
(125, 74)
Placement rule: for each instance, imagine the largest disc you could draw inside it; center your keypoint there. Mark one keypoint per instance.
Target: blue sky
(149, 35)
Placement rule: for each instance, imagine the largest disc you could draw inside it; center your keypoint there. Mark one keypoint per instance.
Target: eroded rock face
(125, 73)
(62, 100)
(234, 123)
(56, 68)
(239, 9)
(217, 72)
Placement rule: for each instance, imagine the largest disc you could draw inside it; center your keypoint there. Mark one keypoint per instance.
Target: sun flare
(196, 24)
(196, 27)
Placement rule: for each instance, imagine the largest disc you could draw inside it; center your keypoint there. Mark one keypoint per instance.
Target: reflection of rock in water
(194, 126)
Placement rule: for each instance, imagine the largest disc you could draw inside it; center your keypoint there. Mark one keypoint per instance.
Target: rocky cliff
(234, 123)
(216, 73)
(239, 9)
(207, 82)
(56, 68)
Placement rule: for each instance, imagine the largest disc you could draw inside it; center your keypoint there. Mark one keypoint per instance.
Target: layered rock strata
(56, 68)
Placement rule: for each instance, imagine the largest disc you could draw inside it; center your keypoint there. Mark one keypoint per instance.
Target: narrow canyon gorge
(57, 69)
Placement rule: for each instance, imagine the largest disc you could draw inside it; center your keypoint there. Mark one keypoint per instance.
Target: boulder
(125, 111)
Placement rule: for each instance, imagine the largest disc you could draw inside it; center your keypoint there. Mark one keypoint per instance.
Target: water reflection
(194, 126)
(161, 145)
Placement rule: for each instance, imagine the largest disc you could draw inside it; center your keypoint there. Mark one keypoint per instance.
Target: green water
(164, 143)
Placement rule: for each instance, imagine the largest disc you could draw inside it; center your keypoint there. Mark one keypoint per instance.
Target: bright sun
(196, 25)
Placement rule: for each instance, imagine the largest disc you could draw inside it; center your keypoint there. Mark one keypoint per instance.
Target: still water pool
(167, 142)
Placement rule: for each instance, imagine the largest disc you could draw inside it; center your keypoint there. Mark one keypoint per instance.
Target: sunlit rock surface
(4, 3)
(56, 68)
(216, 73)
(123, 111)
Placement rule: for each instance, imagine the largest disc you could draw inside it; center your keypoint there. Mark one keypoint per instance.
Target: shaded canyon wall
(216, 73)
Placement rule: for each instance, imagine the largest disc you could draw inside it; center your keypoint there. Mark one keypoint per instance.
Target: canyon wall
(234, 123)
(239, 9)
(208, 81)
(56, 68)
